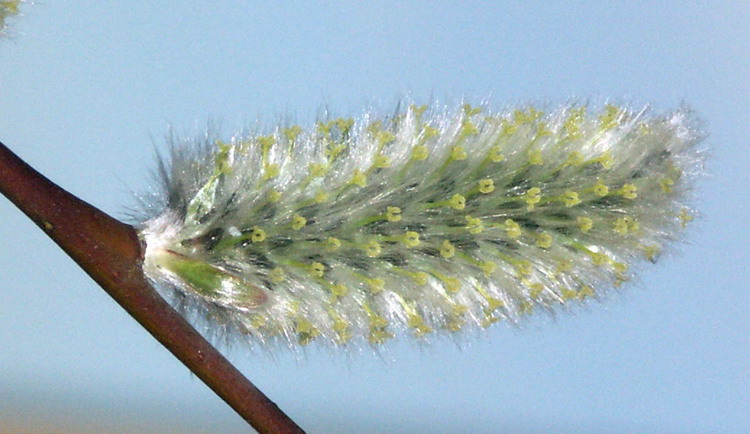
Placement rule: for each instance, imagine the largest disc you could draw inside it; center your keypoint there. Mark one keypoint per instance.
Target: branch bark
(110, 252)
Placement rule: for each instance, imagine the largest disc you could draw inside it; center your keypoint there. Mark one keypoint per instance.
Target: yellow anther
(496, 155)
(525, 308)
(524, 268)
(271, 170)
(411, 239)
(471, 111)
(304, 326)
(666, 184)
(393, 213)
(644, 129)
(274, 196)
(585, 224)
(600, 189)
(298, 222)
(420, 277)
(508, 128)
(488, 320)
(381, 162)
(317, 269)
(266, 142)
(418, 110)
(488, 267)
(332, 244)
(338, 291)
(535, 157)
(628, 191)
(376, 285)
(257, 321)
(457, 201)
(429, 132)
(257, 235)
(486, 186)
(610, 118)
(447, 250)
(620, 226)
(378, 336)
(585, 292)
(542, 130)
(535, 290)
(568, 294)
(620, 267)
(458, 153)
(341, 328)
(512, 228)
(570, 198)
(321, 197)
(468, 128)
(575, 158)
(359, 178)
(651, 252)
(277, 275)
(292, 132)
(532, 197)
(493, 304)
(372, 249)
(598, 258)
(606, 160)
(318, 169)
(474, 225)
(451, 284)
(385, 137)
(544, 241)
(685, 217)
(419, 153)
(334, 150)
(454, 324)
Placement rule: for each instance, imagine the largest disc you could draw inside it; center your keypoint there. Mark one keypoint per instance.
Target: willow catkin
(428, 221)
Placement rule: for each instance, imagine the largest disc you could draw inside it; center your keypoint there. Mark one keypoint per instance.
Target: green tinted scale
(424, 223)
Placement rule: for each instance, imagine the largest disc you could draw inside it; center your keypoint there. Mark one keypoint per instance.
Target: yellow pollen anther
(666, 184)
(274, 196)
(321, 197)
(620, 267)
(411, 239)
(447, 250)
(621, 226)
(568, 294)
(420, 278)
(610, 118)
(535, 157)
(585, 292)
(575, 158)
(332, 244)
(292, 132)
(600, 189)
(512, 228)
(419, 153)
(474, 225)
(372, 248)
(524, 268)
(452, 284)
(458, 153)
(605, 160)
(272, 170)
(651, 252)
(257, 235)
(486, 186)
(359, 178)
(376, 285)
(298, 222)
(318, 169)
(468, 128)
(532, 197)
(457, 201)
(685, 217)
(628, 191)
(570, 198)
(585, 224)
(598, 258)
(381, 162)
(393, 213)
(338, 291)
(495, 155)
(277, 275)
(488, 267)
(317, 269)
(544, 241)
(535, 290)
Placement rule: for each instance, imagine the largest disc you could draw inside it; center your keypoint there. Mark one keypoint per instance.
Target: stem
(110, 252)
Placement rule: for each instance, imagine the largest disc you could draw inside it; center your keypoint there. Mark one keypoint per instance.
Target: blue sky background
(88, 88)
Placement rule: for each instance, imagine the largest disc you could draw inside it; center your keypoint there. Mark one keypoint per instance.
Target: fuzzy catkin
(428, 221)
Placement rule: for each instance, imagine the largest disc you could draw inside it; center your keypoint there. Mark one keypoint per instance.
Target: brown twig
(110, 252)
